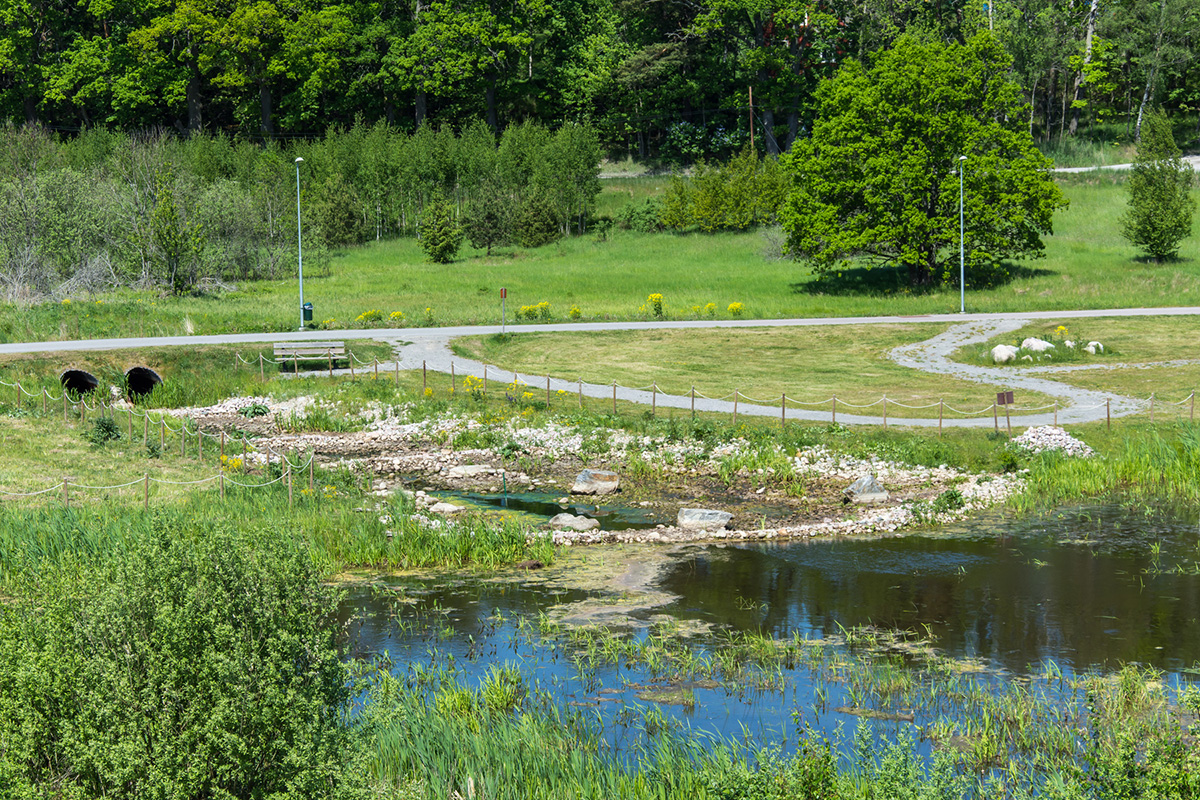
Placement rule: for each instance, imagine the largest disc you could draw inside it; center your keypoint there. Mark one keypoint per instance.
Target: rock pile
(1050, 437)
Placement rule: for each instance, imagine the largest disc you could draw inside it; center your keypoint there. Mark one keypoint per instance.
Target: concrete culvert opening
(141, 380)
(79, 381)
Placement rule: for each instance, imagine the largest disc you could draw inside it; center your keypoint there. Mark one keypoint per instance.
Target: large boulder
(702, 519)
(1035, 345)
(1003, 353)
(570, 522)
(445, 508)
(596, 481)
(865, 490)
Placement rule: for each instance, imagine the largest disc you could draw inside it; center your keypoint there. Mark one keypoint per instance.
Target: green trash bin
(306, 312)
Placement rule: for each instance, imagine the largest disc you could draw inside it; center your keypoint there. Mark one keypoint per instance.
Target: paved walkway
(1192, 161)
(431, 347)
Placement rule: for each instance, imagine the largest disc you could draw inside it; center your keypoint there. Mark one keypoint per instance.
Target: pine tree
(488, 221)
(1160, 206)
(440, 233)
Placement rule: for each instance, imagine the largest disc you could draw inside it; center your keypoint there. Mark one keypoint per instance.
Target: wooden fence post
(485, 378)
(221, 480)
(995, 418)
(453, 379)
(296, 363)
(261, 377)
(289, 481)
(44, 399)
(735, 404)
(222, 445)
(693, 401)
(885, 412)
(941, 409)
(1192, 413)
(329, 352)
(1008, 419)
(1056, 413)
(424, 377)
(547, 391)
(581, 392)
(1152, 408)
(183, 438)
(835, 409)
(1108, 413)
(66, 493)
(397, 365)
(614, 398)
(162, 433)
(654, 399)
(375, 359)
(64, 391)
(146, 491)
(311, 458)
(783, 409)
(350, 361)
(131, 425)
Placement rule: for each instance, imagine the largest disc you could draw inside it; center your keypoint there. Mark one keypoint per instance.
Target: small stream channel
(1078, 591)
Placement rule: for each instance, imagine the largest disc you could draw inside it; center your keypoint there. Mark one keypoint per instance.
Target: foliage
(535, 223)
(643, 217)
(743, 193)
(440, 234)
(337, 212)
(879, 176)
(189, 667)
(488, 221)
(103, 431)
(1160, 203)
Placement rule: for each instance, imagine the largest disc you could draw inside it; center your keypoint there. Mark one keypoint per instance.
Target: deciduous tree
(878, 180)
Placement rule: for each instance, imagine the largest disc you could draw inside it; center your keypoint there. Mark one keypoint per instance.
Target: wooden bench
(308, 351)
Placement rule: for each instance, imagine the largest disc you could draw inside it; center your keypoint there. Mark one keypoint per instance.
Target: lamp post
(299, 241)
(962, 269)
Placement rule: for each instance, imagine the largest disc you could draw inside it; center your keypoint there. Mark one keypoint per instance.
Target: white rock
(445, 508)
(865, 490)
(1003, 353)
(1027, 358)
(702, 519)
(1035, 345)
(596, 481)
(1049, 437)
(1069, 343)
(573, 523)
(1093, 348)
(471, 471)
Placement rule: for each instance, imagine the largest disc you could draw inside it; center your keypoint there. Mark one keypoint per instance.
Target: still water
(1077, 591)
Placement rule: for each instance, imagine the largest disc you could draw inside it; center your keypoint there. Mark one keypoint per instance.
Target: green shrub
(440, 234)
(188, 667)
(104, 430)
(644, 217)
(536, 224)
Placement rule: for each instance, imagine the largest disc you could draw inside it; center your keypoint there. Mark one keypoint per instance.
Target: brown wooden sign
(1004, 398)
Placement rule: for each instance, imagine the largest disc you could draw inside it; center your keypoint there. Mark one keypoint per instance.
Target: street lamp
(299, 241)
(962, 269)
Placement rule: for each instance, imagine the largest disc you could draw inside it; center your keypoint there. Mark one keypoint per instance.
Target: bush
(440, 234)
(644, 217)
(536, 224)
(104, 430)
(184, 668)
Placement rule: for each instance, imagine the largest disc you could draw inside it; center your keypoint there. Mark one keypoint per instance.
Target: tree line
(107, 208)
(677, 80)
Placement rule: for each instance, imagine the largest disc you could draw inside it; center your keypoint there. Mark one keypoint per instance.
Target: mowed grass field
(810, 365)
(610, 277)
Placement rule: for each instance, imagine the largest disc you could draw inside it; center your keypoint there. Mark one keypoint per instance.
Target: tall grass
(1154, 466)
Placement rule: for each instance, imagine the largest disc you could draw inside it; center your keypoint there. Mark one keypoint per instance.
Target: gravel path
(1193, 161)
(431, 347)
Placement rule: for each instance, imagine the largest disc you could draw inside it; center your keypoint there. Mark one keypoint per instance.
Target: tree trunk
(793, 123)
(1033, 102)
(490, 96)
(30, 105)
(1150, 76)
(420, 107)
(1081, 78)
(768, 119)
(264, 106)
(194, 108)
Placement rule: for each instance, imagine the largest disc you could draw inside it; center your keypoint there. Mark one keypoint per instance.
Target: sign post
(1006, 399)
(503, 314)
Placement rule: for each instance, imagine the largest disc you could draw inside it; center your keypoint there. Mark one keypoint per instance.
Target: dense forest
(674, 79)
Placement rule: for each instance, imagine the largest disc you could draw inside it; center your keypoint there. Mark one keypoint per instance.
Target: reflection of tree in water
(1017, 601)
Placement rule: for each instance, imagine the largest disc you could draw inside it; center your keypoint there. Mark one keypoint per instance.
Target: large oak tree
(878, 180)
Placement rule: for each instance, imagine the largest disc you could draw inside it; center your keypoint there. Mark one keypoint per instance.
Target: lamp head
(960, 158)
(301, 160)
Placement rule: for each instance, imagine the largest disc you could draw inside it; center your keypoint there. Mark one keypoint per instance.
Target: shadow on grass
(876, 281)
(1151, 261)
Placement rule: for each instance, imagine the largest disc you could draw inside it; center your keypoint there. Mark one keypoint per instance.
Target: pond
(989, 603)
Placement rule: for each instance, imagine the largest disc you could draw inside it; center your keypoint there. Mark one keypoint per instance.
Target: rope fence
(480, 383)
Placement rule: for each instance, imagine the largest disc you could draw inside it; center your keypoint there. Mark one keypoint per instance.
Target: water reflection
(1086, 587)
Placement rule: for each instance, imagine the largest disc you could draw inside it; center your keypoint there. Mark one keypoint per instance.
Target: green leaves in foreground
(183, 669)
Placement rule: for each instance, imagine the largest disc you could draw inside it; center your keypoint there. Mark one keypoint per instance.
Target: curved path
(431, 347)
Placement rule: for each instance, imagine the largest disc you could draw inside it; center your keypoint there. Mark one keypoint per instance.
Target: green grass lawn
(1087, 265)
(808, 364)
